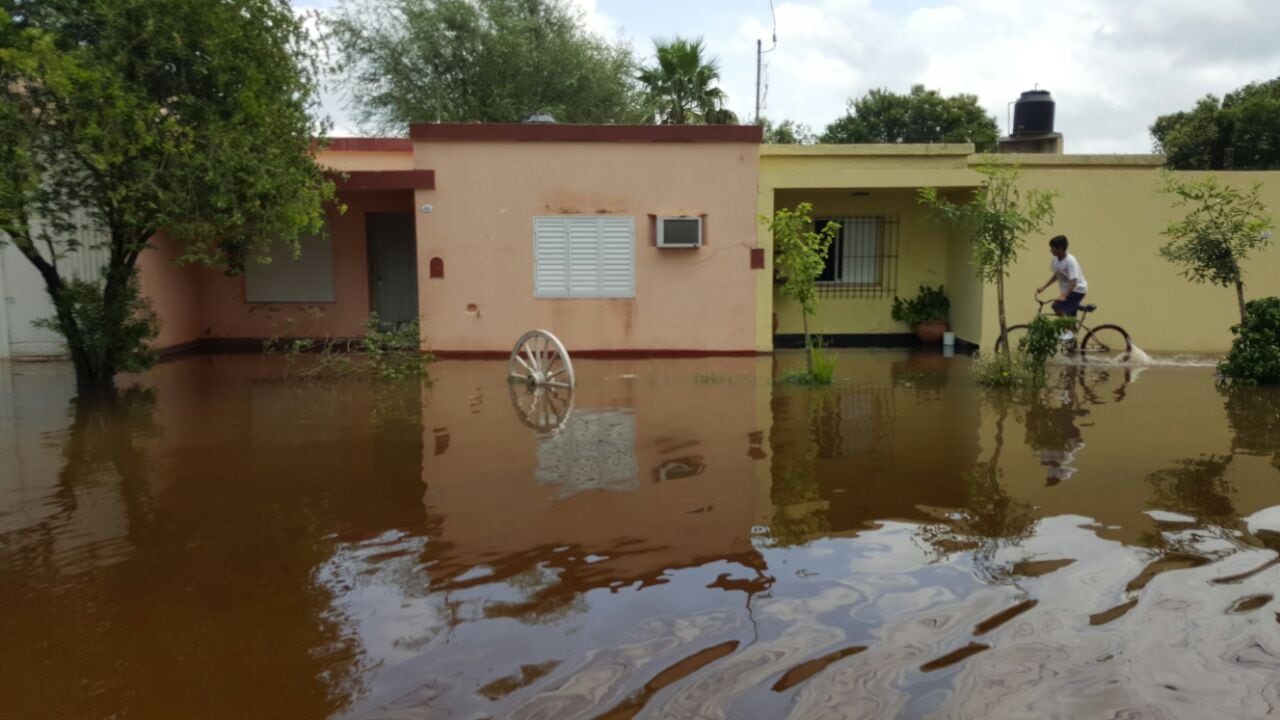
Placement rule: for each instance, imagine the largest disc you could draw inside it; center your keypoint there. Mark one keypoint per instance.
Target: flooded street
(692, 541)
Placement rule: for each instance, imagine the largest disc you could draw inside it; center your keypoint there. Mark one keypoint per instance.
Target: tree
(998, 219)
(682, 85)
(409, 61)
(189, 117)
(1240, 132)
(1222, 225)
(787, 132)
(922, 116)
(799, 254)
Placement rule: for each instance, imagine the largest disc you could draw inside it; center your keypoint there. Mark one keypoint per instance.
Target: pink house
(619, 239)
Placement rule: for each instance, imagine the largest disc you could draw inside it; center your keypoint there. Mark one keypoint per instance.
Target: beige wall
(891, 175)
(202, 303)
(482, 228)
(1113, 216)
(922, 259)
(175, 293)
(1107, 205)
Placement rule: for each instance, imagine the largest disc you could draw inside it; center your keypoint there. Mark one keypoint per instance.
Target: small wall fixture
(436, 268)
(426, 209)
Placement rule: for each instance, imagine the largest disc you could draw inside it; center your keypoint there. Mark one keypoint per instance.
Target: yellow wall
(1108, 205)
(1113, 216)
(922, 259)
(891, 174)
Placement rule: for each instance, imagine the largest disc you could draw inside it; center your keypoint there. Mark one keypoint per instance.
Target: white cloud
(1112, 67)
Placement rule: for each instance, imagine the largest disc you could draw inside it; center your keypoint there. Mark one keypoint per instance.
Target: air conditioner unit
(679, 232)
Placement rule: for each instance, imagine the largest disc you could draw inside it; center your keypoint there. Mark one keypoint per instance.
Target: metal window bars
(863, 259)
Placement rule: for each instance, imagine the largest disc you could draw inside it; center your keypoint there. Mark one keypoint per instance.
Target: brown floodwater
(681, 538)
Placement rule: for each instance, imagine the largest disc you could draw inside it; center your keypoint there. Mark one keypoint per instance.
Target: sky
(1113, 66)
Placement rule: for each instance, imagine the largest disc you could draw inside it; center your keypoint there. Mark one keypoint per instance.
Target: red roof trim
(536, 132)
(387, 180)
(368, 144)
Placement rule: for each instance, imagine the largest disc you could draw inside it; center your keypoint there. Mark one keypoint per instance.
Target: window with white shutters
(307, 278)
(577, 256)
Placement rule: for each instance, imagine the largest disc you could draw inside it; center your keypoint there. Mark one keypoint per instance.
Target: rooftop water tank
(1033, 113)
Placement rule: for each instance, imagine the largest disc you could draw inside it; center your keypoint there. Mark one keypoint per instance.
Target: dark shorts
(1069, 306)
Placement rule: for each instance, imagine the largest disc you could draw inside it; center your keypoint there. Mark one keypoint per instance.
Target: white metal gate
(23, 299)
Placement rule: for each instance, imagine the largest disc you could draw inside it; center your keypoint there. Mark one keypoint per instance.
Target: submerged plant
(391, 353)
(820, 367)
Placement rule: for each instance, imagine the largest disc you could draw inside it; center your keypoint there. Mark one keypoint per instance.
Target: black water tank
(1033, 113)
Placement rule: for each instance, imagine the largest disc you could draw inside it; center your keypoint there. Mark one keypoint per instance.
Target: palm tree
(682, 85)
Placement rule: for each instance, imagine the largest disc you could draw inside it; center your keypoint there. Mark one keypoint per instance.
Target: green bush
(1003, 370)
(930, 305)
(1255, 351)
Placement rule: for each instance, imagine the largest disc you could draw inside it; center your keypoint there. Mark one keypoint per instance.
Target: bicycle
(1109, 343)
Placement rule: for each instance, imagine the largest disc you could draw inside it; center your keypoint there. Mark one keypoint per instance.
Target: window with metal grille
(863, 258)
(577, 256)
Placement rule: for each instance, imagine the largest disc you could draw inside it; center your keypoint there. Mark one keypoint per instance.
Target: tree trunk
(1240, 299)
(808, 354)
(1004, 339)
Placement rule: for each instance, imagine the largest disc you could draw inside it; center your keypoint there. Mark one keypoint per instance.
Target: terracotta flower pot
(930, 332)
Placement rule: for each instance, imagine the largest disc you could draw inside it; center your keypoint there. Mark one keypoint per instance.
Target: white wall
(23, 299)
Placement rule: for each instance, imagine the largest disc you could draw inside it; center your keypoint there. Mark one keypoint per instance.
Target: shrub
(1255, 351)
(930, 305)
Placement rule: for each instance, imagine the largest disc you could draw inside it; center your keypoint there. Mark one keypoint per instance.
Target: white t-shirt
(1066, 270)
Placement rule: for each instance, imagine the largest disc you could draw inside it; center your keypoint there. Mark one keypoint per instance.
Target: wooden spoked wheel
(540, 360)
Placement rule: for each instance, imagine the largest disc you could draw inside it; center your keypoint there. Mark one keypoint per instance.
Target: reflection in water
(224, 544)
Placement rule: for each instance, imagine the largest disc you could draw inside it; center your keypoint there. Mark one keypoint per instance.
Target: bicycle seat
(1089, 308)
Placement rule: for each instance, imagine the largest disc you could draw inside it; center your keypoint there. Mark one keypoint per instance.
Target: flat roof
(557, 132)
(870, 149)
(368, 144)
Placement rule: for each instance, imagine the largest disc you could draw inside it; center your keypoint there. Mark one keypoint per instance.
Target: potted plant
(926, 313)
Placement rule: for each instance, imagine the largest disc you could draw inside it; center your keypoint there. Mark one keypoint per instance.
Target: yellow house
(1107, 205)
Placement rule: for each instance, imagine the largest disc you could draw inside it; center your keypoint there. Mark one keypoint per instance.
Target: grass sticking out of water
(824, 369)
(711, 378)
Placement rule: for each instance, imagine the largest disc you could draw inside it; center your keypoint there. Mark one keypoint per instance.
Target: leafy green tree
(1240, 132)
(921, 116)
(411, 61)
(1222, 225)
(998, 220)
(787, 132)
(189, 117)
(799, 254)
(682, 85)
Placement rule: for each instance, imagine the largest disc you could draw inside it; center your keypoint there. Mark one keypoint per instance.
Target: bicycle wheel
(1014, 335)
(1107, 343)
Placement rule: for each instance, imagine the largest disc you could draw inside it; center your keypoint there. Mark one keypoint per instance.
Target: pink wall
(481, 226)
(205, 303)
(174, 293)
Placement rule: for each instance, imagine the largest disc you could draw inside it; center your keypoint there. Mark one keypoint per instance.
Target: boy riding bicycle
(1071, 283)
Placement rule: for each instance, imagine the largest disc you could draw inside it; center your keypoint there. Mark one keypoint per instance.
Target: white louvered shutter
(584, 257)
(550, 257)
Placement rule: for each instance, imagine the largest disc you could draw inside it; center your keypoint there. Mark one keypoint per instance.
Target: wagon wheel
(539, 359)
(541, 407)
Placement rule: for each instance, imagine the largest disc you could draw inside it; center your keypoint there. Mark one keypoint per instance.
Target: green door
(393, 267)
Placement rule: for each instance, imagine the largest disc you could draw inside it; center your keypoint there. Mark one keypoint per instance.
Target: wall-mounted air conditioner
(679, 232)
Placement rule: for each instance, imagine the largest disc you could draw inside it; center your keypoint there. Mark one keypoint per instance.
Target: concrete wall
(1107, 205)
(482, 229)
(923, 251)
(1113, 215)
(891, 174)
